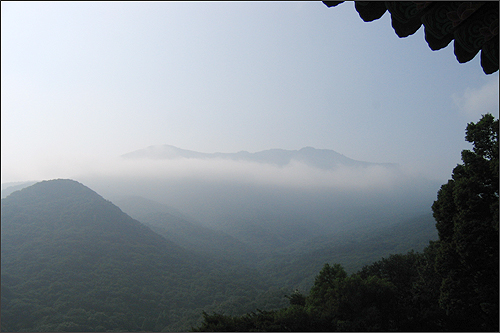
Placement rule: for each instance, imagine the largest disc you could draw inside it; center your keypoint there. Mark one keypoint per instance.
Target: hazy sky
(86, 81)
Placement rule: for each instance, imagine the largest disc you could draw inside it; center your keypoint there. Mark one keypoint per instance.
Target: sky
(83, 82)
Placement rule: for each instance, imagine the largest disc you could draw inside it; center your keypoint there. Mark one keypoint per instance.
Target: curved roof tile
(473, 25)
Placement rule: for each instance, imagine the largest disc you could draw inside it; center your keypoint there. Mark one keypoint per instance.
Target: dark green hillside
(296, 266)
(72, 261)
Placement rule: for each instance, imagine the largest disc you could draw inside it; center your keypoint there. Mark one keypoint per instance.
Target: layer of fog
(228, 194)
(293, 175)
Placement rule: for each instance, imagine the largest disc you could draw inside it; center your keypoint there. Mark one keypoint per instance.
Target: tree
(338, 302)
(297, 298)
(324, 292)
(466, 213)
(427, 315)
(402, 270)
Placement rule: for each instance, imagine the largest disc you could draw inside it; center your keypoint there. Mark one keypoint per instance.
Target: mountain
(319, 158)
(180, 229)
(73, 261)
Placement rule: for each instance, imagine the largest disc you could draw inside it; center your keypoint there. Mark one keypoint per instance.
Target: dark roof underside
(473, 25)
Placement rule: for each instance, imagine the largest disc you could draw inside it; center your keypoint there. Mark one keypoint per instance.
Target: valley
(154, 253)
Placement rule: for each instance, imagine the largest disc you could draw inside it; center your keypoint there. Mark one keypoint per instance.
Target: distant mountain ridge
(8, 188)
(320, 158)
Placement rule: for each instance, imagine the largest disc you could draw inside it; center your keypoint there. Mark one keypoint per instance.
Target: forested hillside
(72, 261)
(297, 266)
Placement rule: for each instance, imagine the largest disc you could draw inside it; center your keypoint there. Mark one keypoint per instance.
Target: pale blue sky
(85, 81)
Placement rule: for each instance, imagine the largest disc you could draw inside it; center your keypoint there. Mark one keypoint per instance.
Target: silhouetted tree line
(451, 286)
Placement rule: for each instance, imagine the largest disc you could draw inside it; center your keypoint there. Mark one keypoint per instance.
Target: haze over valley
(254, 166)
(292, 194)
(243, 206)
(277, 234)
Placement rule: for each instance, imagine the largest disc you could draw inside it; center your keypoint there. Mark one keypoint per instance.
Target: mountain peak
(67, 206)
(55, 189)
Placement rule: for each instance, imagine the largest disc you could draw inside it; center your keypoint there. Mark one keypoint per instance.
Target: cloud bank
(476, 102)
(223, 191)
(294, 175)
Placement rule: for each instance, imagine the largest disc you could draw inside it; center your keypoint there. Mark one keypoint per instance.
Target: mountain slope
(73, 261)
(294, 266)
(189, 234)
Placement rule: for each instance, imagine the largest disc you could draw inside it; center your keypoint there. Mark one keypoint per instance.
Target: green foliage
(297, 298)
(327, 283)
(338, 302)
